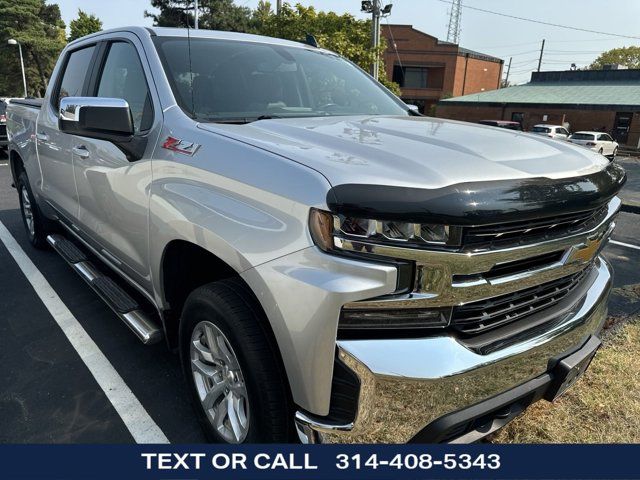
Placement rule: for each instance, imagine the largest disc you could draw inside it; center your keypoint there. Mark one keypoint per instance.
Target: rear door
(562, 133)
(606, 142)
(54, 147)
(113, 191)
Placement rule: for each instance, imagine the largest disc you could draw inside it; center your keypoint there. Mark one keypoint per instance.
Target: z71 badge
(181, 146)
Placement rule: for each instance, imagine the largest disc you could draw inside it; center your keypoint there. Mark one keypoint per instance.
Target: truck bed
(28, 102)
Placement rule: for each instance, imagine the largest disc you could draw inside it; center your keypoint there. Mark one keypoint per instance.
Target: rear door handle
(81, 151)
(42, 137)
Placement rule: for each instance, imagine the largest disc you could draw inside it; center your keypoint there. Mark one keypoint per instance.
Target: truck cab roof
(200, 33)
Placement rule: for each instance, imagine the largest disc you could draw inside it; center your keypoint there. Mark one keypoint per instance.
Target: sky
(487, 33)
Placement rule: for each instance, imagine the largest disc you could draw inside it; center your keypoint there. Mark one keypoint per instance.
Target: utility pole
(278, 7)
(377, 11)
(195, 15)
(506, 80)
(541, 53)
(375, 36)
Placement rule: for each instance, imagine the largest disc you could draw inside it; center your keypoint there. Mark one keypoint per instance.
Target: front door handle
(81, 151)
(42, 137)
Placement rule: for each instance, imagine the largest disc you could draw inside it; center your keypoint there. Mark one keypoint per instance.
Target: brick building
(428, 69)
(603, 100)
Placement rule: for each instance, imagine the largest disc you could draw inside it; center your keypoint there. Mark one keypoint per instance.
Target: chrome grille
(477, 317)
(516, 233)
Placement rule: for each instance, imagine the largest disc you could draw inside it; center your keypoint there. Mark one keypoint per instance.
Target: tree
(85, 24)
(628, 56)
(343, 34)
(41, 32)
(213, 14)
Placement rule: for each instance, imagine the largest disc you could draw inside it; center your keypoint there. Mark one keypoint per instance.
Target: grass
(603, 407)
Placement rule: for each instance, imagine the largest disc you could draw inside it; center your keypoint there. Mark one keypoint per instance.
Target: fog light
(409, 318)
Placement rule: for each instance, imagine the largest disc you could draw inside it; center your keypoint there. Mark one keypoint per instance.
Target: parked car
(596, 141)
(502, 124)
(326, 263)
(3, 123)
(552, 131)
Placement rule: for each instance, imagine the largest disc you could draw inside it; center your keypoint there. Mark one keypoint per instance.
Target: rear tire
(601, 151)
(238, 387)
(36, 225)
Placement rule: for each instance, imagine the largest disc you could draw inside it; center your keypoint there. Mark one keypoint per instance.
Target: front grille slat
(477, 317)
(517, 233)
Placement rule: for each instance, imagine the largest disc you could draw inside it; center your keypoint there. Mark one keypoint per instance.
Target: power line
(550, 24)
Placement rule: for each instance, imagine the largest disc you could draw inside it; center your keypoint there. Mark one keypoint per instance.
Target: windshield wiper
(240, 120)
(266, 117)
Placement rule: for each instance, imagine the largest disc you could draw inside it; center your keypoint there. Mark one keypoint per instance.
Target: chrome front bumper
(406, 384)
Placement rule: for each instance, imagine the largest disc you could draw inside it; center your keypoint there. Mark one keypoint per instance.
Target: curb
(630, 208)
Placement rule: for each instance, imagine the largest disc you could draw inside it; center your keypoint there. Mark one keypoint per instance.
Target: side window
(75, 73)
(123, 77)
(603, 137)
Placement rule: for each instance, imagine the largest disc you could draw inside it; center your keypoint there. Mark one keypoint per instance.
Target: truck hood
(418, 152)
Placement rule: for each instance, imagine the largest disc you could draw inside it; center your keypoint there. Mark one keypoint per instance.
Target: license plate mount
(569, 369)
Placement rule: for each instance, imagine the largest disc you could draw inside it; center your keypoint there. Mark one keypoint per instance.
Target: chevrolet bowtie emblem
(587, 251)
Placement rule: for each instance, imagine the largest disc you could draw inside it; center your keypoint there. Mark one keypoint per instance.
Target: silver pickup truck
(330, 266)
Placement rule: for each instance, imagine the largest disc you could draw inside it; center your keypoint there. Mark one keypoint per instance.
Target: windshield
(582, 136)
(541, 130)
(245, 81)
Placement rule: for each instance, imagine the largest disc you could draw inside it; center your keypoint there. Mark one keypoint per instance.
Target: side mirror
(107, 119)
(413, 108)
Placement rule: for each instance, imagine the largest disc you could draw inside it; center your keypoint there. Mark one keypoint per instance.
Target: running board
(109, 291)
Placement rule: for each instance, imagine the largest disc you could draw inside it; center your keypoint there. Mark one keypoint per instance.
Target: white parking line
(622, 244)
(135, 417)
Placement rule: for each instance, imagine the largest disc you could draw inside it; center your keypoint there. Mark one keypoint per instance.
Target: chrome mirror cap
(70, 106)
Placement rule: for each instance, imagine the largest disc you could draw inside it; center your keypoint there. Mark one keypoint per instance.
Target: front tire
(232, 368)
(36, 225)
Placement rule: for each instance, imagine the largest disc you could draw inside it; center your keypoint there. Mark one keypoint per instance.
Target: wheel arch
(185, 266)
(16, 164)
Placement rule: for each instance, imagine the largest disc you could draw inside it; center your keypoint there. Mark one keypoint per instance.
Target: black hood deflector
(479, 203)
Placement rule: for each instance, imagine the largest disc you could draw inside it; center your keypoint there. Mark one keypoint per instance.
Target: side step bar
(113, 295)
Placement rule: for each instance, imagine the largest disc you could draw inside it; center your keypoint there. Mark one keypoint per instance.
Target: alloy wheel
(27, 211)
(219, 382)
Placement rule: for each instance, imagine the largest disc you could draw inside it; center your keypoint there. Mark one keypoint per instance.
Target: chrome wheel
(27, 211)
(219, 382)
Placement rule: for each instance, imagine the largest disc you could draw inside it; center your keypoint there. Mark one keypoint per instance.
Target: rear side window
(75, 73)
(582, 136)
(541, 129)
(123, 77)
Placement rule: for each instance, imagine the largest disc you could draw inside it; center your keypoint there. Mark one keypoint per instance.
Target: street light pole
(12, 41)
(375, 36)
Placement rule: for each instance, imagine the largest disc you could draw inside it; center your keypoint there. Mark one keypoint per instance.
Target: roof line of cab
(200, 33)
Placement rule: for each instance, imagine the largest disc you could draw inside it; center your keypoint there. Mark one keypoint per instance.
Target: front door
(54, 147)
(113, 192)
(621, 127)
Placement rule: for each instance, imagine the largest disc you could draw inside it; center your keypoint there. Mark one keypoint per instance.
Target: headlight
(331, 232)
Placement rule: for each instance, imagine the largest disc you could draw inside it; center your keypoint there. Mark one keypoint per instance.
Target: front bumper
(409, 384)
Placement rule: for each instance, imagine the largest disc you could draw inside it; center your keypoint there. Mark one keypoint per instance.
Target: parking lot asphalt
(49, 395)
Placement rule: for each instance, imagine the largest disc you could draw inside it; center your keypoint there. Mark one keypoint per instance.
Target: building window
(410, 77)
